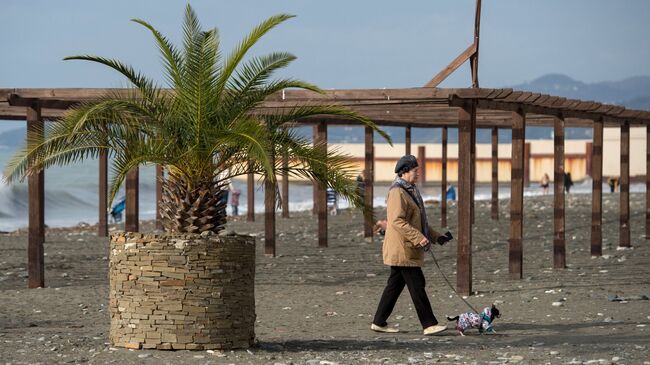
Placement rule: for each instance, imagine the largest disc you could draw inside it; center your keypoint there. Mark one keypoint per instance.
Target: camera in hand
(445, 238)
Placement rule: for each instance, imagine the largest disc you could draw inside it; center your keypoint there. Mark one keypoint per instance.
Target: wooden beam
(495, 174)
(515, 258)
(443, 181)
(503, 93)
(285, 185)
(8, 112)
(322, 192)
(473, 60)
(624, 226)
(559, 243)
(549, 111)
(407, 140)
(17, 100)
(102, 226)
(464, 252)
(290, 98)
(131, 223)
(369, 172)
(451, 67)
(597, 190)
(250, 194)
(160, 176)
(36, 199)
(82, 94)
(475, 93)
(477, 33)
(433, 114)
(269, 216)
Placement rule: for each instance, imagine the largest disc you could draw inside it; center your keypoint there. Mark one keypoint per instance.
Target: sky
(339, 44)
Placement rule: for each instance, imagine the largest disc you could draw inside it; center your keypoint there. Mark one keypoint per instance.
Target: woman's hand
(424, 242)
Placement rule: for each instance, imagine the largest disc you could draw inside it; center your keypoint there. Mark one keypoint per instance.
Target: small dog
(481, 321)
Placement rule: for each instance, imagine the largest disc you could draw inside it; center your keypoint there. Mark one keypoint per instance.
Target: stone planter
(194, 292)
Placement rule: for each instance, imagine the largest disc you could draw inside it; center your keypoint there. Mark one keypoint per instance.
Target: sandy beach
(314, 306)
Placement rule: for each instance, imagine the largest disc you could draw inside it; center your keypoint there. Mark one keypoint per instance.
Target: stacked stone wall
(193, 292)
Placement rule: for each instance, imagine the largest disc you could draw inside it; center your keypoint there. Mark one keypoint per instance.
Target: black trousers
(413, 278)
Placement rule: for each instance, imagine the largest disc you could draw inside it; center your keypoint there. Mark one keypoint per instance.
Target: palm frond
(249, 41)
(171, 57)
(212, 122)
(257, 70)
(146, 86)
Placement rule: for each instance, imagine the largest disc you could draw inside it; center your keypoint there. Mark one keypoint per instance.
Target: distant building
(577, 153)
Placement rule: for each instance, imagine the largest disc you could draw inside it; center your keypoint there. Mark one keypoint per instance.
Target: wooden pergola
(428, 107)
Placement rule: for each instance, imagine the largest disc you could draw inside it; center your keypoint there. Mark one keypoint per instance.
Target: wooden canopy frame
(466, 109)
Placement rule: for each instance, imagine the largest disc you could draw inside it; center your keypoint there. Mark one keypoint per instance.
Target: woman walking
(407, 235)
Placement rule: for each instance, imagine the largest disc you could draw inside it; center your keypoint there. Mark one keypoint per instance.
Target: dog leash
(448, 283)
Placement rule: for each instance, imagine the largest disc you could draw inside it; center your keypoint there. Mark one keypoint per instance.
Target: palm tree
(205, 129)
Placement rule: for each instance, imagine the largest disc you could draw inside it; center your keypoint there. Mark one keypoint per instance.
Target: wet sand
(314, 306)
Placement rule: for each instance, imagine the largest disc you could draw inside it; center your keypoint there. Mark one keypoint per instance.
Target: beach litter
(616, 298)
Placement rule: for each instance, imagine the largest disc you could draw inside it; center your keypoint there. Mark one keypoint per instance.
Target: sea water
(71, 194)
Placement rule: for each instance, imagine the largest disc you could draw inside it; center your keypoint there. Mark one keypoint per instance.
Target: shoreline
(534, 191)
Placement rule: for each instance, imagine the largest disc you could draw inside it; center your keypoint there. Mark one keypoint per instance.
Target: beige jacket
(403, 231)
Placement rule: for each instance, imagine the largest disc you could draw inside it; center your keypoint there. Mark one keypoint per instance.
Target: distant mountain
(631, 92)
(642, 102)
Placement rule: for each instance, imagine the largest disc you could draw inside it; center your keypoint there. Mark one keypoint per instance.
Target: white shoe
(385, 329)
(432, 330)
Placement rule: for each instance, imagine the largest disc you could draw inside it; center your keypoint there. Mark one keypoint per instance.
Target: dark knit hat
(406, 164)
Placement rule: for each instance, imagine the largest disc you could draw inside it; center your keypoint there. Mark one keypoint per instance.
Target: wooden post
(589, 147)
(473, 168)
(315, 186)
(517, 195)
(559, 245)
(322, 192)
(285, 185)
(269, 217)
(407, 140)
(131, 223)
(527, 164)
(495, 174)
(464, 252)
(647, 182)
(597, 190)
(250, 195)
(369, 172)
(102, 226)
(422, 161)
(36, 199)
(443, 182)
(160, 176)
(624, 226)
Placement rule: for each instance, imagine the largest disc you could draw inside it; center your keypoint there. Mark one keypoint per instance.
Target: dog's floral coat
(474, 320)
